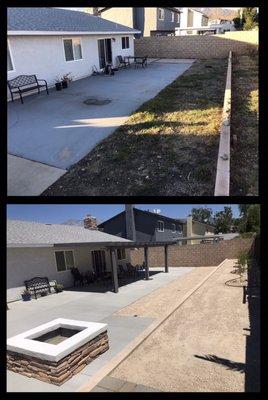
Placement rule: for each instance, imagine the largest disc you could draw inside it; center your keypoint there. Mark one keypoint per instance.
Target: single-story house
(50, 42)
(51, 250)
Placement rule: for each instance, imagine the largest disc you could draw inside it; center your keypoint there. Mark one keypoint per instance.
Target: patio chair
(141, 61)
(90, 277)
(78, 277)
(130, 270)
(123, 62)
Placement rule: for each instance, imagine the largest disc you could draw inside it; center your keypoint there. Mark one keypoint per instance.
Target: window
(179, 229)
(172, 16)
(160, 226)
(121, 254)
(173, 228)
(161, 13)
(178, 18)
(64, 260)
(9, 60)
(204, 21)
(72, 49)
(190, 18)
(125, 42)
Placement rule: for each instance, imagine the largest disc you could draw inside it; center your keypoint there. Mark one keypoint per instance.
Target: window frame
(160, 9)
(63, 251)
(122, 252)
(163, 224)
(126, 40)
(172, 16)
(188, 13)
(173, 228)
(72, 38)
(11, 57)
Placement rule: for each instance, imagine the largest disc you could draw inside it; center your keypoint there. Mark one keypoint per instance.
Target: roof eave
(80, 33)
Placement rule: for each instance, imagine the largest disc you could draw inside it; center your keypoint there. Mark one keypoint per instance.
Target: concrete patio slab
(29, 178)
(59, 129)
(89, 306)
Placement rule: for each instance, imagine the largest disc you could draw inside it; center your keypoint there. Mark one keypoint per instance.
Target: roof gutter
(61, 33)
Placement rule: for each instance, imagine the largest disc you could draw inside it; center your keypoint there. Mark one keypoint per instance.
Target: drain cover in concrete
(96, 102)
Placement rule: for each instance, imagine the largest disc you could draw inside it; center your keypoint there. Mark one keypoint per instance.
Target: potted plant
(26, 295)
(58, 84)
(58, 288)
(65, 80)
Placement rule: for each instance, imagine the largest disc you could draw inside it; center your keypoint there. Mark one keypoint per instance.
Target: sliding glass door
(105, 52)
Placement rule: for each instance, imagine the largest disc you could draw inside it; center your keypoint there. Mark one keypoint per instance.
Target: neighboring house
(50, 250)
(51, 42)
(150, 21)
(196, 22)
(191, 19)
(139, 225)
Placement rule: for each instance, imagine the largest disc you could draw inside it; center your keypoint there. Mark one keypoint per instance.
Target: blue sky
(58, 213)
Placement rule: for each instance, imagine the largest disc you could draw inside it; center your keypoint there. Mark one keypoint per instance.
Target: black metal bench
(25, 83)
(38, 285)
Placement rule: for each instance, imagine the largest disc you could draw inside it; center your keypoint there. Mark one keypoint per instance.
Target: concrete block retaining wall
(197, 46)
(196, 255)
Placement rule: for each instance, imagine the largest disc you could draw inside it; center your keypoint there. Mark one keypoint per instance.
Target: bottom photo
(133, 298)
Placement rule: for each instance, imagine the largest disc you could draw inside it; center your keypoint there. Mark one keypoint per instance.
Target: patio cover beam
(114, 270)
(147, 274)
(166, 258)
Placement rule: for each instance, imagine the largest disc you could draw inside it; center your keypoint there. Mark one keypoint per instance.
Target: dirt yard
(169, 146)
(200, 347)
(245, 126)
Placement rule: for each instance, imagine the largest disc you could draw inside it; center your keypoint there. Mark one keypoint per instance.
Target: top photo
(132, 101)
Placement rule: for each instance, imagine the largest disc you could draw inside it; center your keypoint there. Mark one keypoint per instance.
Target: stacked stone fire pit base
(61, 371)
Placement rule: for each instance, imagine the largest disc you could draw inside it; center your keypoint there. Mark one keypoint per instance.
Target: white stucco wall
(44, 56)
(26, 263)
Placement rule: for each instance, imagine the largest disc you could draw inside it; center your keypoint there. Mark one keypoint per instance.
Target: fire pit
(56, 351)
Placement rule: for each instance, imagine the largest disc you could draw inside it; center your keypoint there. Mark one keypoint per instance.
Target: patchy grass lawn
(169, 146)
(244, 154)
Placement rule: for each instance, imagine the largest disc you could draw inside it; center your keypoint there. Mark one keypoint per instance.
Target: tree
(249, 218)
(250, 16)
(202, 214)
(247, 20)
(223, 220)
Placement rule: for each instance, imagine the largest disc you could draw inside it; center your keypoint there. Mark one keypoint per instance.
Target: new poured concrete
(59, 129)
(87, 306)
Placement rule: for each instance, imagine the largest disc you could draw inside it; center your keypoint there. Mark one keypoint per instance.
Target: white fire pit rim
(24, 343)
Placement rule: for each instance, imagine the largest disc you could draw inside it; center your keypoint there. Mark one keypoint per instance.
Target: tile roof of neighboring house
(27, 233)
(59, 20)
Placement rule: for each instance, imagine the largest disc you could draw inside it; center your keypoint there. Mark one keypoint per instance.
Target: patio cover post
(166, 258)
(146, 262)
(114, 270)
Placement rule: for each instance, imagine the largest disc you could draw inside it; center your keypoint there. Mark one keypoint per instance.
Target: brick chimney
(130, 222)
(90, 222)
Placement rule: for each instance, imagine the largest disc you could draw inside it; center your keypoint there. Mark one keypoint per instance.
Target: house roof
(30, 234)
(137, 210)
(174, 9)
(50, 19)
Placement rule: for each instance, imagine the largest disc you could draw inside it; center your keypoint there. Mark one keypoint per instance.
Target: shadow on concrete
(231, 365)
(106, 285)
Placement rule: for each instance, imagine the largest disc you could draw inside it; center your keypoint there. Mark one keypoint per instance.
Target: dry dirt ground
(168, 147)
(201, 346)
